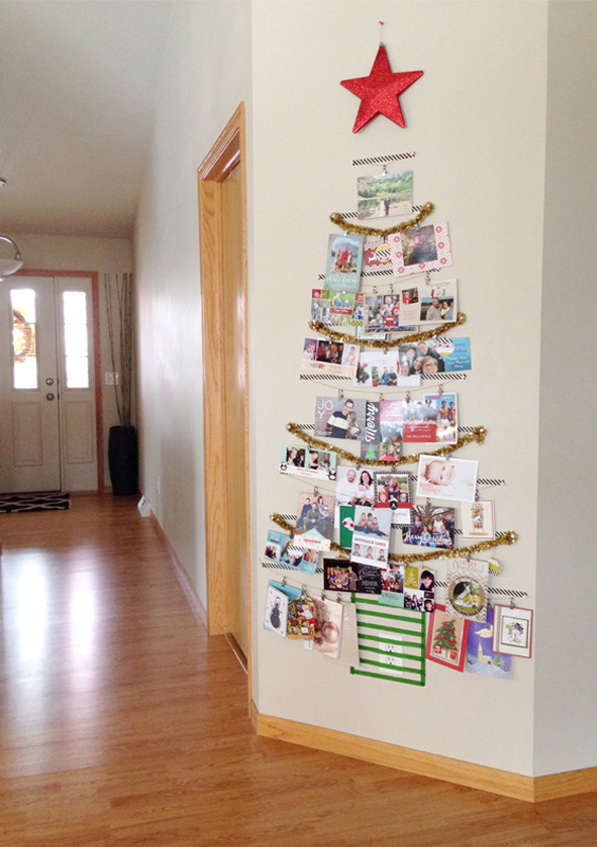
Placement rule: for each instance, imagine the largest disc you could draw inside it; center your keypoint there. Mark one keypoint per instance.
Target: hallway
(122, 724)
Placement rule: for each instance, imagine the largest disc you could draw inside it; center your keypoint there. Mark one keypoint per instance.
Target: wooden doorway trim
(97, 357)
(227, 152)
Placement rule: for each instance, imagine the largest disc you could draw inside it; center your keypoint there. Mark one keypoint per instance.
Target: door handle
(49, 396)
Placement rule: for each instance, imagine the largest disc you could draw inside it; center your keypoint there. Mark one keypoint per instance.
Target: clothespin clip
(283, 581)
(512, 603)
(440, 389)
(381, 397)
(407, 398)
(427, 278)
(338, 598)
(375, 289)
(385, 170)
(340, 394)
(391, 288)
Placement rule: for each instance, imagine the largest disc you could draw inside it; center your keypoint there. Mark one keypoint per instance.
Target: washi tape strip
(379, 160)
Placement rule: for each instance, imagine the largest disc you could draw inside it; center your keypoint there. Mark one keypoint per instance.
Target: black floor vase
(123, 459)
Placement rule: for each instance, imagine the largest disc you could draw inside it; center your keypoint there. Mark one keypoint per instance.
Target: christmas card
(437, 355)
(423, 248)
(381, 313)
(392, 491)
(513, 631)
(447, 479)
(348, 417)
(431, 420)
(315, 524)
(477, 520)
(308, 462)
(432, 526)
(329, 619)
(429, 304)
(333, 308)
(276, 611)
(446, 639)
(371, 536)
(467, 589)
(480, 657)
(330, 357)
(383, 195)
(376, 369)
(344, 262)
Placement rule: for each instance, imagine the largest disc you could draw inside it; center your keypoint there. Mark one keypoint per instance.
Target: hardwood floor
(123, 724)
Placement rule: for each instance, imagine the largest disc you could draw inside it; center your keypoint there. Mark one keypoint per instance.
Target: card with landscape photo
(308, 462)
(383, 195)
(315, 522)
(344, 262)
(477, 520)
(423, 248)
(347, 417)
(371, 536)
(434, 419)
(447, 479)
(432, 526)
(376, 369)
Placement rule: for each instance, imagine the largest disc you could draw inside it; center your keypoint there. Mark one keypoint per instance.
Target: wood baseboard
(482, 778)
(183, 578)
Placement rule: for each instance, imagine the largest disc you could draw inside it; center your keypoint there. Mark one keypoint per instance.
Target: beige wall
(205, 74)
(102, 255)
(477, 121)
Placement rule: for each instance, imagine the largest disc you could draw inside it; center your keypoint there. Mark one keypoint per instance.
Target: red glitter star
(380, 90)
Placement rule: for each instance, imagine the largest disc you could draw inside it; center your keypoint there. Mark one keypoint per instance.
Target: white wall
(206, 73)
(476, 120)
(102, 255)
(566, 689)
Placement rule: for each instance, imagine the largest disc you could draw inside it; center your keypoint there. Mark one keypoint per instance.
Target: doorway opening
(223, 250)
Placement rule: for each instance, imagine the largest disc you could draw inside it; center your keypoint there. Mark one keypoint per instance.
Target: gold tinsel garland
(322, 329)
(506, 538)
(478, 434)
(425, 211)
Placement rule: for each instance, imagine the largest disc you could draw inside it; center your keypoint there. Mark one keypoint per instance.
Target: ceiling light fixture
(10, 266)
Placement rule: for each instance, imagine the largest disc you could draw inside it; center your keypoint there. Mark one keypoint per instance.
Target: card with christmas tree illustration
(446, 639)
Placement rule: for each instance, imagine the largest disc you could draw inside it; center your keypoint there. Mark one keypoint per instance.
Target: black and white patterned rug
(33, 502)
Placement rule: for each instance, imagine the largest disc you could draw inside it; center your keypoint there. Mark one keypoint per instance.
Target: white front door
(47, 398)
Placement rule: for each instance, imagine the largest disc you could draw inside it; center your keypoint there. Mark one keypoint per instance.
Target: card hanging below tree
(329, 619)
(513, 631)
(447, 639)
(276, 611)
(480, 657)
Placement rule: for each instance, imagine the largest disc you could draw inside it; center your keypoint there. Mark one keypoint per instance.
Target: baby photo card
(447, 479)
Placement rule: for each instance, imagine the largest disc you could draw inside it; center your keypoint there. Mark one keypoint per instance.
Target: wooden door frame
(228, 151)
(97, 357)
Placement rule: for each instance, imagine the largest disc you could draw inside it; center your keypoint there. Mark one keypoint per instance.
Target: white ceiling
(77, 82)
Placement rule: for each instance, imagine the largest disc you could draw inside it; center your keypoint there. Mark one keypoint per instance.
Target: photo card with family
(423, 248)
(428, 303)
(467, 589)
(309, 462)
(330, 357)
(383, 195)
(354, 487)
(437, 355)
(333, 308)
(344, 262)
(280, 550)
(381, 313)
(347, 418)
(342, 575)
(419, 588)
(376, 369)
(477, 520)
(447, 479)
(513, 631)
(315, 523)
(392, 491)
(432, 526)
(371, 536)
(434, 419)
(390, 421)
(480, 656)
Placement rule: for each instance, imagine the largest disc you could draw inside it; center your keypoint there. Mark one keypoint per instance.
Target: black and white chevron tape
(380, 160)
(278, 566)
(501, 592)
(309, 427)
(325, 377)
(444, 376)
(416, 209)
